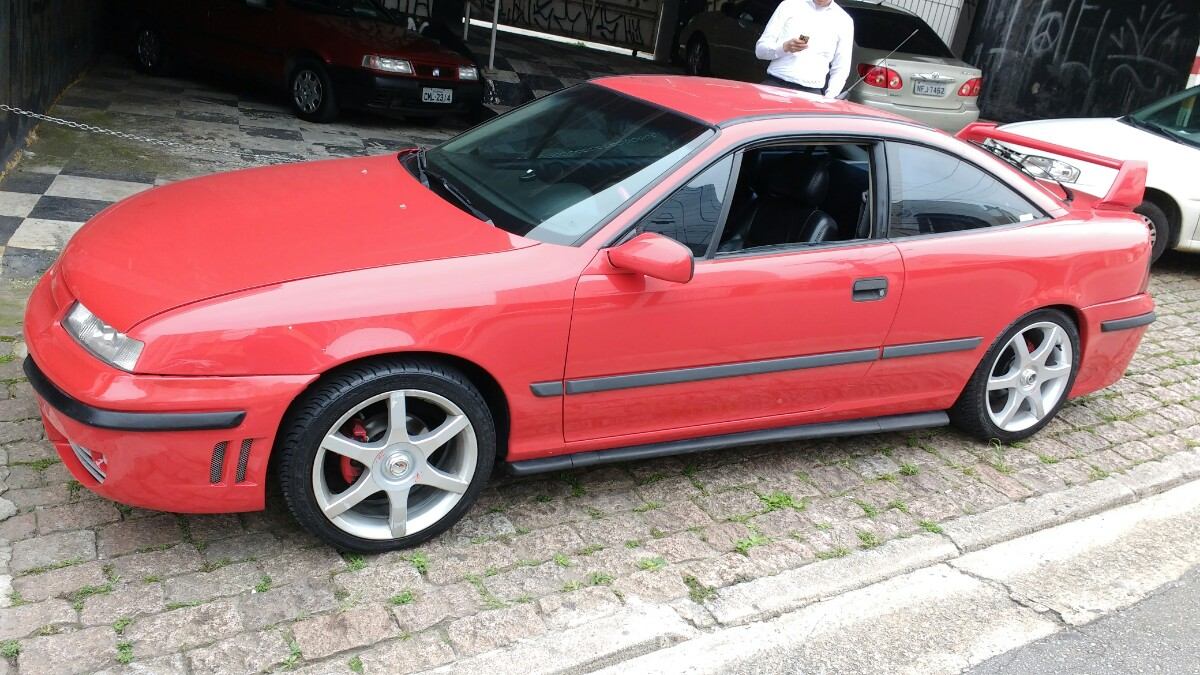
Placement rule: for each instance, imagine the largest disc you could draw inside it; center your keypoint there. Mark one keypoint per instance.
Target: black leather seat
(786, 210)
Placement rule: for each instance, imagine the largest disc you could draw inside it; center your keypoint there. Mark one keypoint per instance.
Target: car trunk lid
(928, 81)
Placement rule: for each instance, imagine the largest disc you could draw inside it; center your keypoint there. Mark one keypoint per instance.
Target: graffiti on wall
(623, 23)
(1081, 58)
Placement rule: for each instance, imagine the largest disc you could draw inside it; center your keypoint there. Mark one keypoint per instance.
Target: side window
(934, 193)
(690, 216)
(800, 195)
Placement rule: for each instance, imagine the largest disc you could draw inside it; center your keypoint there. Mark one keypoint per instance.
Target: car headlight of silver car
(1054, 168)
(105, 342)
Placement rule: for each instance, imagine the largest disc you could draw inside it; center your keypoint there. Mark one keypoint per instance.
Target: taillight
(878, 76)
(971, 88)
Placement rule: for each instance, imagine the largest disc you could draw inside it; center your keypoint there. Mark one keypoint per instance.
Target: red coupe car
(630, 268)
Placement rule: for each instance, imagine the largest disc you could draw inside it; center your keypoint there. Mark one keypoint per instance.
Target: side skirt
(874, 425)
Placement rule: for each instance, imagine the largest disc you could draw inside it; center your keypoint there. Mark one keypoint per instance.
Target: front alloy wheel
(386, 454)
(394, 464)
(1023, 380)
(312, 93)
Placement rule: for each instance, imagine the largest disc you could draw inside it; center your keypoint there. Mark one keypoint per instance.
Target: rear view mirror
(654, 255)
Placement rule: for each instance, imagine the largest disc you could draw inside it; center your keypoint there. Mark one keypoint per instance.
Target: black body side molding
(1126, 324)
(875, 425)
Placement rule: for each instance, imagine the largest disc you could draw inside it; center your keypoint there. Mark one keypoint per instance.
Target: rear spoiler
(1128, 190)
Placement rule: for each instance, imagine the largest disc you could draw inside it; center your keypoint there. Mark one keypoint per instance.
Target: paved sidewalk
(955, 609)
(1157, 635)
(659, 549)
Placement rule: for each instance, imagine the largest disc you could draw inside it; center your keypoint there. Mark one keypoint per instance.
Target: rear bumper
(951, 121)
(1111, 333)
(361, 89)
(181, 444)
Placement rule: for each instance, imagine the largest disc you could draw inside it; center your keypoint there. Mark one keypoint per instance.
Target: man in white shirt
(809, 44)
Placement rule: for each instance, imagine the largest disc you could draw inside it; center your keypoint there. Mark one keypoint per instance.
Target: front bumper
(181, 444)
(401, 95)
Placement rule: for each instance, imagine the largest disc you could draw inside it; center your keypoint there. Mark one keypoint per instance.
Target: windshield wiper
(1017, 160)
(449, 188)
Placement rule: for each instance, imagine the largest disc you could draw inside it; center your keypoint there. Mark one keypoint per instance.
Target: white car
(1165, 134)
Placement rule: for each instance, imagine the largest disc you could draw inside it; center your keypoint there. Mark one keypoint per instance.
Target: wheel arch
(488, 385)
(1167, 203)
(297, 55)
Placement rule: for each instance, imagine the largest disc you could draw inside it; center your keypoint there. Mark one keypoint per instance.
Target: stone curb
(633, 631)
(640, 629)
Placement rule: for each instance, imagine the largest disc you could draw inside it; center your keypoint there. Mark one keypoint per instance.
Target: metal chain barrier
(179, 145)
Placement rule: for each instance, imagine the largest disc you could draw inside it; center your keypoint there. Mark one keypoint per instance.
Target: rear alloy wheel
(1023, 380)
(697, 57)
(312, 93)
(1160, 228)
(387, 455)
(150, 51)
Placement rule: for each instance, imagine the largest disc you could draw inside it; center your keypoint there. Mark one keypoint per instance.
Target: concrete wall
(1081, 58)
(44, 45)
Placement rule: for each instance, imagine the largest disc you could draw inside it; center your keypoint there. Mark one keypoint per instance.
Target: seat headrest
(804, 179)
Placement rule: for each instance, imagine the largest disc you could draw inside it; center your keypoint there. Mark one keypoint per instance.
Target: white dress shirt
(830, 32)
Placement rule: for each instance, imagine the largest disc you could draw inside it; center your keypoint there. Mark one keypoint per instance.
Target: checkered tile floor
(68, 176)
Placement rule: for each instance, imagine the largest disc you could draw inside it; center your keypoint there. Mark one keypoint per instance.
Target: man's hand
(797, 44)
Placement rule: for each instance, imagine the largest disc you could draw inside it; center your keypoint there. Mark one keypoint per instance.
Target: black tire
(311, 93)
(1161, 232)
(697, 59)
(970, 412)
(312, 416)
(150, 52)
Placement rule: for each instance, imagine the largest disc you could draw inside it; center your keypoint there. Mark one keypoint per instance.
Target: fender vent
(217, 468)
(243, 459)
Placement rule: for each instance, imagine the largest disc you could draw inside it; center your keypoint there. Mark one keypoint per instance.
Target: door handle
(870, 290)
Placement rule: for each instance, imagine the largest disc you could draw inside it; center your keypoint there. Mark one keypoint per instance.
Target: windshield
(555, 169)
(884, 31)
(1176, 117)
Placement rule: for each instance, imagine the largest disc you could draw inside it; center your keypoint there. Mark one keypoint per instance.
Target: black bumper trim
(125, 421)
(1126, 324)
(874, 425)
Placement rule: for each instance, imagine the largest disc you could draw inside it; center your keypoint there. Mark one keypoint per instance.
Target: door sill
(873, 425)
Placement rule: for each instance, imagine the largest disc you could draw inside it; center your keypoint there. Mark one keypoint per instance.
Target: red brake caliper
(350, 468)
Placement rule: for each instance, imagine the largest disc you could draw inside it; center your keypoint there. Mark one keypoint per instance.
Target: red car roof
(717, 101)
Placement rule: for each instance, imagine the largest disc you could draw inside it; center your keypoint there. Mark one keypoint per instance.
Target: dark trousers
(776, 82)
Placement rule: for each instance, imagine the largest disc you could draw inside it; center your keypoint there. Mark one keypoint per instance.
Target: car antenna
(845, 94)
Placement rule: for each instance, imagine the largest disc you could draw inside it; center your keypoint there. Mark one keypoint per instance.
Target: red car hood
(376, 37)
(229, 232)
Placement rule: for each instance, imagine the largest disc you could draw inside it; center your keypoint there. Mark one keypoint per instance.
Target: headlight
(109, 345)
(387, 65)
(1058, 170)
(468, 73)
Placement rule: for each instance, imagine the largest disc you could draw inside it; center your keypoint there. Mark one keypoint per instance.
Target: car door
(975, 254)
(734, 35)
(767, 335)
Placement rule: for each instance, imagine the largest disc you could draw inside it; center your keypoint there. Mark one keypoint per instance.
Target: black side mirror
(729, 9)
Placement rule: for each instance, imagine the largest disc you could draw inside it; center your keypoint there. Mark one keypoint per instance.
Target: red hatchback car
(630, 268)
(327, 54)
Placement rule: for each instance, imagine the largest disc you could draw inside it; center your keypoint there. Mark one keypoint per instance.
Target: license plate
(430, 95)
(929, 89)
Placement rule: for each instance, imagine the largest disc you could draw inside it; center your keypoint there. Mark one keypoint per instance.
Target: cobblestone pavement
(87, 585)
